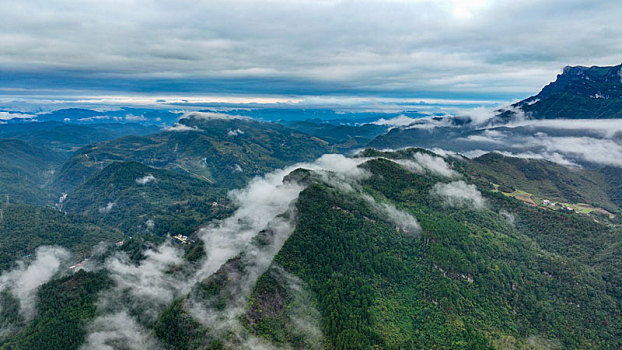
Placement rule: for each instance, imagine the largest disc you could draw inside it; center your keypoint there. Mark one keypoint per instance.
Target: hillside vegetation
(140, 199)
(225, 153)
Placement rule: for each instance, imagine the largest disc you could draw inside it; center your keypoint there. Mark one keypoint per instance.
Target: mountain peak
(579, 92)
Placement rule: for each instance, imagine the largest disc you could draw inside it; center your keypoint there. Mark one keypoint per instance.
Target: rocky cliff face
(579, 93)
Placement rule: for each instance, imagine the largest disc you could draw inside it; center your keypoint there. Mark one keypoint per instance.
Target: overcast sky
(472, 49)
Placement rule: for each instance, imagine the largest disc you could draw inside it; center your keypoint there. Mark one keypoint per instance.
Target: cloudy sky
(453, 49)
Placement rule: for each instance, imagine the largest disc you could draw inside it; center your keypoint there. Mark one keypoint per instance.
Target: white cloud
(480, 115)
(181, 127)
(404, 221)
(11, 115)
(235, 132)
(134, 118)
(107, 208)
(118, 330)
(600, 151)
(147, 286)
(548, 156)
(148, 280)
(93, 118)
(607, 128)
(509, 217)
(24, 280)
(458, 194)
(145, 179)
(422, 163)
(398, 121)
(211, 116)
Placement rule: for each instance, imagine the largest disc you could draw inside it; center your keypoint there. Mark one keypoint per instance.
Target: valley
(314, 229)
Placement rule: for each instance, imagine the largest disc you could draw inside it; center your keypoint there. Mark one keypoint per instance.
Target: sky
(293, 50)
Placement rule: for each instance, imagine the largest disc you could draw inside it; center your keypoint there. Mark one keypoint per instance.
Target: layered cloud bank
(237, 45)
(573, 142)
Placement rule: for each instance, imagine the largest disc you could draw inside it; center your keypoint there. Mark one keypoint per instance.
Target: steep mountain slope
(387, 250)
(24, 228)
(579, 93)
(65, 305)
(224, 152)
(547, 180)
(25, 169)
(141, 199)
(480, 274)
(471, 280)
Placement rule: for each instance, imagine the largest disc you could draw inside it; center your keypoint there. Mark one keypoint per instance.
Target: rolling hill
(68, 138)
(207, 148)
(25, 170)
(140, 199)
(24, 228)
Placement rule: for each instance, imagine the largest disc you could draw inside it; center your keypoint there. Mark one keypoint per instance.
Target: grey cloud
(386, 45)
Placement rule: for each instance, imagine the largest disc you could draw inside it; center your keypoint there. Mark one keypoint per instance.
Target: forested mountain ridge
(484, 271)
(211, 149)
(24, 228)
(141, 199)
(387, 249)
(488, 277)
(67, 138)
(25, 170)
